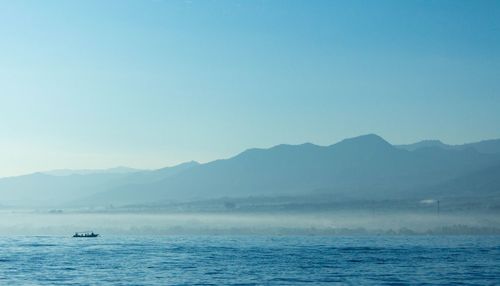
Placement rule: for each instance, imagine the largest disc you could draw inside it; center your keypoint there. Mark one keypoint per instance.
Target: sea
(250, 260)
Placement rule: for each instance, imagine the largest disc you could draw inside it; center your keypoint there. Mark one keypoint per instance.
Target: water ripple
(250, 260)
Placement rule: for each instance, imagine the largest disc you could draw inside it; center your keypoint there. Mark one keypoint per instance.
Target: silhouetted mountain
(486, 146)
(425, 144)
(42, 189)
(156, 175)
(361, 167)
(481, 183)
(116, 170)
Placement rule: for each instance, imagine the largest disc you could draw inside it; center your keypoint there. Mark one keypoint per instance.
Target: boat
(85, 234)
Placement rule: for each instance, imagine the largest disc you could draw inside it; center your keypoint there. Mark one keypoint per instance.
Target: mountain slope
(365, 167)
(481, 183)
(41, 189)
(361, 167)
(68, 172)
(486, 146)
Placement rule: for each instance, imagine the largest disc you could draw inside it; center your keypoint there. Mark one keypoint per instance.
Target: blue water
(249, 260)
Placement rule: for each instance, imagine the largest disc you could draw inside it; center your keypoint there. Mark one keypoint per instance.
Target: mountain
(156, 175)
(486, 146)
(361, 168)
(49, 189)
(41, 189)
(481, 183)
(365, 167)
(425, 144)
(68, 172)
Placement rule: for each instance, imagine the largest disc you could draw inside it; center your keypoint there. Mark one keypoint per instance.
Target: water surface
(249, 260)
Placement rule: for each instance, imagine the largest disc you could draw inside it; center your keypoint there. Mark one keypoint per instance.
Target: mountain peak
(432, 143)
(365, 140)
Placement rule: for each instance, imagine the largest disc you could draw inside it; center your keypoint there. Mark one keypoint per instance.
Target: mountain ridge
(365, 162)
(363, 167)
(490, 146)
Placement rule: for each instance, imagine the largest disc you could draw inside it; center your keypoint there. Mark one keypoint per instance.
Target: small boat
(85, 234)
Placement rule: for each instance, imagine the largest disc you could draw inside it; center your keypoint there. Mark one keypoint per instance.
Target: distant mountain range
(485, 146)
(365, 167)
(67, 172)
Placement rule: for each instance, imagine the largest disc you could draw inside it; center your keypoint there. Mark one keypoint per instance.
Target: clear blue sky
(94, 84)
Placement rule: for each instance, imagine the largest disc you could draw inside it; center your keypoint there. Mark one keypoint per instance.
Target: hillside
(486, 146)
(361, 168)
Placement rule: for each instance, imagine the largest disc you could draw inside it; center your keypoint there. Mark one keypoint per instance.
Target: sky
(148, 84)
